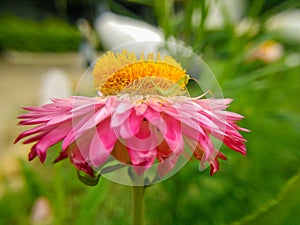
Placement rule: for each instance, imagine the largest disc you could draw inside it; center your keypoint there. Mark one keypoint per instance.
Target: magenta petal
(119, 118)
(91, 121)
(236, 145)
(172, 133)
(107, 134)
(232, 116)
(102, 143)
(142, 160)
(140, 109)
(63, 155)
(32, 153)
(192, 124)
(35, 121)
(214, 167)
(77, 125)
(83, 144)
(169, 127)
(98, 153)
(205, 121)
(27, 133)
(192, 132)
(131, 126)
(35, 138)
(167, 165)
(80, 162)
(50, 139)
(81, 109)
(59, 118)
(97, 117)
(147, 138)
(69, 139)
(214, 164)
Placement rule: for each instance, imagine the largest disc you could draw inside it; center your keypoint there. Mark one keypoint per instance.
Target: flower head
(143, 119)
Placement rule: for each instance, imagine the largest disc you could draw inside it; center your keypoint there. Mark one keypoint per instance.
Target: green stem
(138, 205)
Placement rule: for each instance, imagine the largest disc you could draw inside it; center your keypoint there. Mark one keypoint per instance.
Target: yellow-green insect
(176, 89)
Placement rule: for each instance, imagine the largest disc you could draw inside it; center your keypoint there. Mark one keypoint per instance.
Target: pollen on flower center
(114, 72)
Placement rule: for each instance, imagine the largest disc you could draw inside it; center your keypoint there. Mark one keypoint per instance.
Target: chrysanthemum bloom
(142, 118)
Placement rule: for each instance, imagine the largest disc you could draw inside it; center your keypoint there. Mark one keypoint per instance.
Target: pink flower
(139, 130)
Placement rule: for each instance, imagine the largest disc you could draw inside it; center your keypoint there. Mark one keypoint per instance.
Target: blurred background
(253, 48)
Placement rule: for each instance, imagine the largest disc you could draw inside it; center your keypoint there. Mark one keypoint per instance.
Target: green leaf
(87, 179)
(142, 2)
(91, 202)
(278, 211)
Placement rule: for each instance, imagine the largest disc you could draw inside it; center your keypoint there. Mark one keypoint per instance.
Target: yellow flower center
(116, 73)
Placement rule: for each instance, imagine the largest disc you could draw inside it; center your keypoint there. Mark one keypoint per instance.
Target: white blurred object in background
(115, 30)
(220, 13)
(247, 26)
(88, 43)
(293, 60)
(55, 84)
(286, 24)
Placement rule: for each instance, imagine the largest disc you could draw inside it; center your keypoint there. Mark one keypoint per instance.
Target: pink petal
(142, 160)
(59, 118)
(29, 132)
(50, 139)
(82, 109)
(236, 145)
(80, 125)
(171, 131)
(95, 119)
(32, 154)
(35, 138)
(79, 122)
(123, 106)
(118, 118)
(69, 139)
(214, 165)
(140, 109)
(63, 155)
(147, 138)
(131, 126)
(169, 127)
(80, 162)
(167, 165)
(192, 132)
(205, 121)
(102, 143)
(98, 153)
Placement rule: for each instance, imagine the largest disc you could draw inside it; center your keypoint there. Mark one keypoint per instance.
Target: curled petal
(142, 160)
(50, 139)
(214, 165)
(79, 161)
(131, 126)
(102, 144)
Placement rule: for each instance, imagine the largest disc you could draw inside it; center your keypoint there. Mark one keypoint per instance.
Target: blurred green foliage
(48, 36)
(262, 188)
